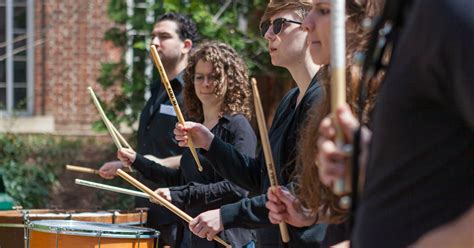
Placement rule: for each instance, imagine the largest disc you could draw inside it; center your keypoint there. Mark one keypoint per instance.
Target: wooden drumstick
(180, 213)
(267, 152)
(174, 102)
(110, 188)
(88, 170)
(338, 85)
(119, 136)
(81, 169)
(106, 121)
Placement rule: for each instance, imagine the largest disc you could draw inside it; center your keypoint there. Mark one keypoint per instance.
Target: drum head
(81, 228)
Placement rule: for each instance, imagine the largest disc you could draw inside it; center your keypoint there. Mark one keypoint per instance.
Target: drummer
(173, 35)
(217, 94)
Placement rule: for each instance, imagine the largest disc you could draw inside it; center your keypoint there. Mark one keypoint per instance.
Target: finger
(211, 234)
(201, 230)
(276, 208)
(272, 219)
(277, 218)
(271, 195)
(178, 132)
(193, 223)
(327, 129)
(285, 196)
(348, 122)
(183, 143)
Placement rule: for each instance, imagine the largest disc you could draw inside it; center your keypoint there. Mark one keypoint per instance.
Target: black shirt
(420, 171)
(251, 174)
(206, 190)
(155, 137)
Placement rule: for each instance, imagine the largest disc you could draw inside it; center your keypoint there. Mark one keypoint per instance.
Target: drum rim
(144, 233)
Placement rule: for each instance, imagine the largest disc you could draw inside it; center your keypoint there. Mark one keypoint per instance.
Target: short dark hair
(186, 27)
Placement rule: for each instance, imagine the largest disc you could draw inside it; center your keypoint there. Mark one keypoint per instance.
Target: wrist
(210, 139)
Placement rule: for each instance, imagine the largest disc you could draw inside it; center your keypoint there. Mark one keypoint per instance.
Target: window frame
(9, 56)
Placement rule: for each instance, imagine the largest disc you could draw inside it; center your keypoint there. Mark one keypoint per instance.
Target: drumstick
(180, 213)
(87, 170)
(121, 138)
(267, 152)
(81, 169)
(110, 188)
(338, 82)
(104, 119)
(174, 102)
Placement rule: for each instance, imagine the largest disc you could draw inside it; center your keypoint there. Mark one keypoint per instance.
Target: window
(16, 56)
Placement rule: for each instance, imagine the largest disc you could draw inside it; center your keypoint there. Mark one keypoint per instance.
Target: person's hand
(200, 135)
(207, 225)
(163, 192)
(109, 169)
(331, 159)
(285, 207)
(127, 156)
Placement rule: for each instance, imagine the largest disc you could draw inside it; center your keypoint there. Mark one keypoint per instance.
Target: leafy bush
(33, 171)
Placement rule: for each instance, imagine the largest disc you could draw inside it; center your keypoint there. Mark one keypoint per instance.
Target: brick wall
(68, 60)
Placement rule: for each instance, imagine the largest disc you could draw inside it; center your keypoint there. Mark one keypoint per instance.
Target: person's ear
(188, 45)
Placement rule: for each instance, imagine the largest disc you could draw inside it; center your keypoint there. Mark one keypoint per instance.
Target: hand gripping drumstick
(267, 152)
(174, 102)
(180, 213)
(338, 88)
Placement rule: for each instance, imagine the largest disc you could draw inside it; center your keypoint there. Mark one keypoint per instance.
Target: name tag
(167, 110)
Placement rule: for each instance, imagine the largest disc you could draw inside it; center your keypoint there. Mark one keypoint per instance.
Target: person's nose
(269, 35)
(308, 22)
(155, 41)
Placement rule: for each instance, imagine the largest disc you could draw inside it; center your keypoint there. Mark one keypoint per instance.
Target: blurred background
(52, 50)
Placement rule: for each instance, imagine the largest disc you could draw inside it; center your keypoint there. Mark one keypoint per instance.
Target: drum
(80, 234)
(13, 223)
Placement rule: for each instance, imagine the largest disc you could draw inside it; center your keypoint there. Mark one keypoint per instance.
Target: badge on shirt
(167, 110)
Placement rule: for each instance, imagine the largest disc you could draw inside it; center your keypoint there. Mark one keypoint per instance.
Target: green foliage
(32, 167)
(27, 170)
(235, 23)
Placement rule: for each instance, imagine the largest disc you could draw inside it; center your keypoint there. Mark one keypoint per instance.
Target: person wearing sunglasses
(281, 27)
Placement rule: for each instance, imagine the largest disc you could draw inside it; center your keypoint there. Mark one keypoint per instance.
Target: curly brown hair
(311, 192)
(232, 81)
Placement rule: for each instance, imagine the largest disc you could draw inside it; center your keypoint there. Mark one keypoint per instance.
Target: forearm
(234, 166)
(157, 172)
(207, 196)
(249, 213)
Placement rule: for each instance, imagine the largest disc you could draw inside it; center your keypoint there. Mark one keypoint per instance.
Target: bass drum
(80, 234)
(13, 223)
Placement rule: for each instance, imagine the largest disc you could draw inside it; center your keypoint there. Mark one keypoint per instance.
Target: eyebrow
(322, 3)
(160, 33)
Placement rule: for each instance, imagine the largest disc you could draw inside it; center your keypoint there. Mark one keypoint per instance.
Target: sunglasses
(277, 25)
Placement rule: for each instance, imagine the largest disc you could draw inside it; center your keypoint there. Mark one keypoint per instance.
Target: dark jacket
(201, 191)
(251, 174)
(155, 137)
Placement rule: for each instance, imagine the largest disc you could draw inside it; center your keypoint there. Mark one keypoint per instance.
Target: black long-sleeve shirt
(251, 174)
(197, 191)
(420, 170)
